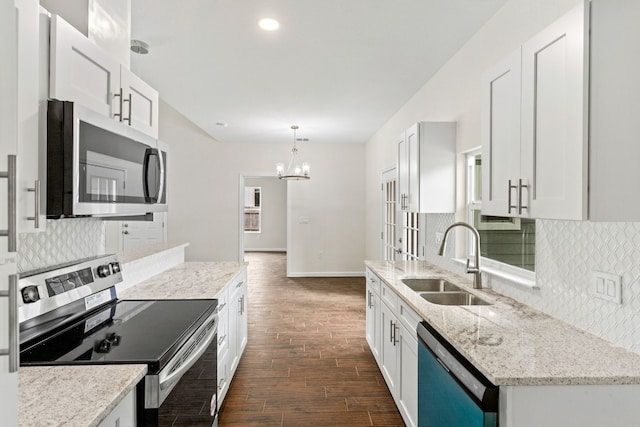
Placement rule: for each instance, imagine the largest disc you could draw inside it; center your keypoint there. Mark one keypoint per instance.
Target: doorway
(263, 214)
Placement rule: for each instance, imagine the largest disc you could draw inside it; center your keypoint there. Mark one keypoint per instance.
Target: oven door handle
(167, 381)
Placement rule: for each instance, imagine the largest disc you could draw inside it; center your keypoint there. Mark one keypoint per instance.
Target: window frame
(512, 273)
(253, 209)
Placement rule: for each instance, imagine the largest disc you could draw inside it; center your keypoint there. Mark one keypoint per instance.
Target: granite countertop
(512, 343)
(189, 280)
(73, 396)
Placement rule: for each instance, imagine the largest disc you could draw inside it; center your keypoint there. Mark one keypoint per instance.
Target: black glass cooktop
(128, 331)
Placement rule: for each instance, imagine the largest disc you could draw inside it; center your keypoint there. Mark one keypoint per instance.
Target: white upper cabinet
(426, 167)
(555, 87)
(501, 135)
(614, 111)
(83, 72)
(140, 103)
(31, 130)
(536, 165)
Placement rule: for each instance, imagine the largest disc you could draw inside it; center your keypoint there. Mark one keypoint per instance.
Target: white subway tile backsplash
(63, 240)
(567, 252)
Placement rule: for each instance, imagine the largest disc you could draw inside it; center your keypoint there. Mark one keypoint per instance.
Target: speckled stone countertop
(73, 396)
(512, 343)
(190, 280)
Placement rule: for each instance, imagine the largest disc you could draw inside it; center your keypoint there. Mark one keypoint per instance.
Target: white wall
(273, 213)
(204, 208)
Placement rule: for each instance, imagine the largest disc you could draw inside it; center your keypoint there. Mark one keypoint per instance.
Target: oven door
(186, 388)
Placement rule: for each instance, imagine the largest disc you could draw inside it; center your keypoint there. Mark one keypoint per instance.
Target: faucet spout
(475, 269)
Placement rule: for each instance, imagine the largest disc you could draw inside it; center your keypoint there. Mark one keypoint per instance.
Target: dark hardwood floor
(307, 362)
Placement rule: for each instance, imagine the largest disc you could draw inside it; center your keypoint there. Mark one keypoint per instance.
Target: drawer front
(373, 281)
(389, 296)
(238, 284)
(408, 317)
(223, 332)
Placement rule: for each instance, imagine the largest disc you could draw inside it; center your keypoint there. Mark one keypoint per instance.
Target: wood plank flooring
(307, 362)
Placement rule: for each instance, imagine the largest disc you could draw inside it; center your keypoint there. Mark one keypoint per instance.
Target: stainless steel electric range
(70, 315)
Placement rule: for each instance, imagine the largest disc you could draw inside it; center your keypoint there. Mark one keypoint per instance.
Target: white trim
(515, 275)
(265, 249)
(327, 274)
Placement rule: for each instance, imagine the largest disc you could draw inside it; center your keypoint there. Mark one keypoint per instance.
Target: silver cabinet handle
(395, 334)
(11, 231)
(36, 191)
(221, 383)
(119, 95)
(128, 119)
(221, 340)
(240, 283)
(520, 205)
(509, 205)
(369, 295)
(14, 349)
(125, 232)
(390, 331)
(220, 307)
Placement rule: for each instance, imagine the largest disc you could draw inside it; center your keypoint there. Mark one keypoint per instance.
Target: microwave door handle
(151, 198)
(160, 185)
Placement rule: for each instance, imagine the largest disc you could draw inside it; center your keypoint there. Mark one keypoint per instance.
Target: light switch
(606, 286)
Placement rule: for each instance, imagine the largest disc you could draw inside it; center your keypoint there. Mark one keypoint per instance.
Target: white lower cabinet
(232, 331)
(124, 414)
(391, 334)
(373, 332)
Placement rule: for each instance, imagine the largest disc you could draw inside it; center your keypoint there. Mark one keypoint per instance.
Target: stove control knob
(113, 338)
(115, 266)
(30, 294)
(103, 270)
(103, 346)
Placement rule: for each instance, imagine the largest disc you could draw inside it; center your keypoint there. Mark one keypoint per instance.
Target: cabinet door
(81, 71)
(403, 172)
(388, 347)
(408, 376)
(614, 111)
(412, 138)
(501, 135)
(30, 196)
(373, 322)
(554, 118)
(140, 103)
(243, 330)
(234, 356)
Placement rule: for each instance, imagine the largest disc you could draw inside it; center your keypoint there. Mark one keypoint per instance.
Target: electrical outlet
(439, 237)
(606, 286)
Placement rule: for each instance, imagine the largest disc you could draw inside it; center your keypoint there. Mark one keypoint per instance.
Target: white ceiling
(337, 68)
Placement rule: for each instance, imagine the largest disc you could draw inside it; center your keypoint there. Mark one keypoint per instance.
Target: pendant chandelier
(295, 170)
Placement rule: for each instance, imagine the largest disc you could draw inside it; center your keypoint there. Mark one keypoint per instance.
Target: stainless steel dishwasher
(451, 391)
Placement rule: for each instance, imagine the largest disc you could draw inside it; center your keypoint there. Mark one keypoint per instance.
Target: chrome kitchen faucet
(475, 270)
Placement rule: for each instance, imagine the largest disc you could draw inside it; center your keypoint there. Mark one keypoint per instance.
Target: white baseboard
(265, 249)
(327, 274)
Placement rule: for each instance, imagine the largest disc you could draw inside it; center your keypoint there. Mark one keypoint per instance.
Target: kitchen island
(549, 372)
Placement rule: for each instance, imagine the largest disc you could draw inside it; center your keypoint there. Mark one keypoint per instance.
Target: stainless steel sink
(453, 298)
(430, 285)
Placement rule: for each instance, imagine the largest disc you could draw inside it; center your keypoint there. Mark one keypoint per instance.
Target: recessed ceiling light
(268, 24)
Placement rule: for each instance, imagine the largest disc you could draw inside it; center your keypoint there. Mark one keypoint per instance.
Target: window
(503, 240)
(410, 232)
(389, 219)
(252, 220)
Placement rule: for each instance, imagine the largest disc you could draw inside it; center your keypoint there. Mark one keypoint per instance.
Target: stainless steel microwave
(97, 166)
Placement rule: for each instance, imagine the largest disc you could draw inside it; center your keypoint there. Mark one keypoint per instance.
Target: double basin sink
(442, 292)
